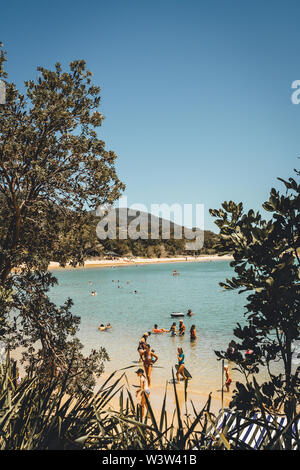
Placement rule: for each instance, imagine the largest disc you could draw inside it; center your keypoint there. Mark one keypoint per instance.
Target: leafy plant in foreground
(267, 265)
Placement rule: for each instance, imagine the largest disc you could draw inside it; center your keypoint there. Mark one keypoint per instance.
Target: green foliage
(38, 417)
(52, 166)
(53, 169)
(3, 74)
(266, 263)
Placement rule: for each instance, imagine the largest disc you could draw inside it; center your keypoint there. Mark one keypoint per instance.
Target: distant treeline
(144, 247)
(158, 248)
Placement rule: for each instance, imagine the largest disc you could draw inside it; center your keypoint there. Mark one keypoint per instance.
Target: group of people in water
(104, 327)
(148, 358)
(94, 293)
(173, 330)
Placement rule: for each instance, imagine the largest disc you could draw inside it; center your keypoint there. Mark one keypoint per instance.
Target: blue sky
(196, 94)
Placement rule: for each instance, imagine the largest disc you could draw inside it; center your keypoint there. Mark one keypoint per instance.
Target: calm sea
(158, 293)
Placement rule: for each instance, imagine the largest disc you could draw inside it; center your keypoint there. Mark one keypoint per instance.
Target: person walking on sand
(143, 390)
(193, 333)
(181, 328)
(149, 359)
(180, 370)
(228, 378)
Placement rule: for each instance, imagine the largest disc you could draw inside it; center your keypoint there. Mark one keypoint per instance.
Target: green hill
(166, 245)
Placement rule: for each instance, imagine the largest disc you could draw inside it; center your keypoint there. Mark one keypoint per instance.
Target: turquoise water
(158, 294)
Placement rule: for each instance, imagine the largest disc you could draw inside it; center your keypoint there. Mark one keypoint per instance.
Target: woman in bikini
(143, 390)
(180, 369)
(142, 344)
(173, 329)
(149, 359)
(228, 378)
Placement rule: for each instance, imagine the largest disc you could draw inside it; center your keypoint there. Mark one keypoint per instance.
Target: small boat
(177, 314)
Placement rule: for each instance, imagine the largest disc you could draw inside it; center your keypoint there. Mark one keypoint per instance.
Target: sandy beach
(98, 263)
(195, 400)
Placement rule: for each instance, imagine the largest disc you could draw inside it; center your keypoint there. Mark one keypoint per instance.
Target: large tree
(53, 166)
(267, 266)
(53, 170)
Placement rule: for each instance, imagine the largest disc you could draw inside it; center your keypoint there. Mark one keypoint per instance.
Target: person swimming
(159, 330)
(101, 327)
(190, 313)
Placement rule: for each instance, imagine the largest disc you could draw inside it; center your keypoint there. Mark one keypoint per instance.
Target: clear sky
(196, 94)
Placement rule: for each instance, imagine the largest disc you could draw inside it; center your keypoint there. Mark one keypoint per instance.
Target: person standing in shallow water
(180, 370)
(193, 333)
(181, 328)
(173, 329)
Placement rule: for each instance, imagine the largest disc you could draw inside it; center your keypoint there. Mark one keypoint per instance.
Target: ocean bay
(158, 293)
